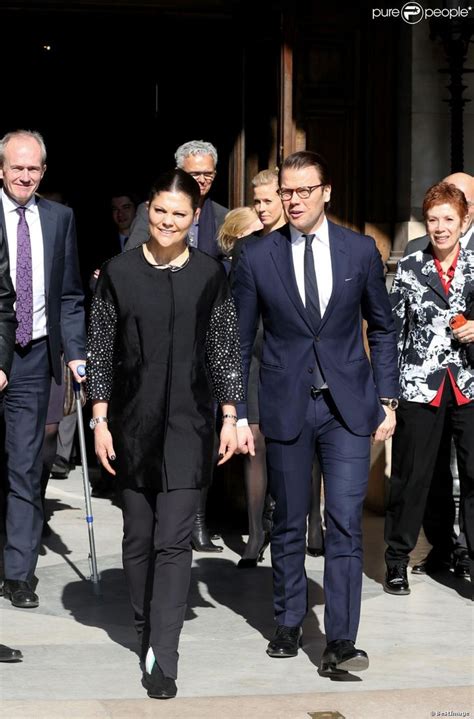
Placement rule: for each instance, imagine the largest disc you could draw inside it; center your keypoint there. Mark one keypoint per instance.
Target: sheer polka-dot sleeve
(100, 345)
(223, 351)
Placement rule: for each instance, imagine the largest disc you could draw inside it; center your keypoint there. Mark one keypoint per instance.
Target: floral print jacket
(422, 311)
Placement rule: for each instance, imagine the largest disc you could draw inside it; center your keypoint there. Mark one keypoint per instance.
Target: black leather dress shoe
(20, 594)
(60, 468)
(396, 581)
(157, 685)
(10, 655)
(342, 655)
(285, 642)
(432, 563)
(461, 563)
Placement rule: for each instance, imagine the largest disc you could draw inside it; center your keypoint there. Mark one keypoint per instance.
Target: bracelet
(229, 416)
(97, 420)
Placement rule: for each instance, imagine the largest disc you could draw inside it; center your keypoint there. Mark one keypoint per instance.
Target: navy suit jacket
(63, 286)
(264, 283)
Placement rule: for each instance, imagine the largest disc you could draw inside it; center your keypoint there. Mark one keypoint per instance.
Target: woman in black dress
(163, 346)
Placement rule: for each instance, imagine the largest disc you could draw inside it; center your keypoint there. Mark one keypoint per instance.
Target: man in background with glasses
(199, 159)
(313, 282)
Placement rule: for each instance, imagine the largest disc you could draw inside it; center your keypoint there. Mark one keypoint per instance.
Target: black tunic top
(163, 347)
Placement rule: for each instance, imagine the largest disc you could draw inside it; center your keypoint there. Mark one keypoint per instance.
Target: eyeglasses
(302, 192)
(206, 175)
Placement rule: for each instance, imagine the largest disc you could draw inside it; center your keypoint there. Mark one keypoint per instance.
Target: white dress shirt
(37, 256)
(322, 262)
(322, 267)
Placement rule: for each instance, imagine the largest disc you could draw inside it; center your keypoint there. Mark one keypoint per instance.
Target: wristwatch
(389, 402)
(96, 420)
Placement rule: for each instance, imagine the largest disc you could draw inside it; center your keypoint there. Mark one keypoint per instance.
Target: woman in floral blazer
(436, 376)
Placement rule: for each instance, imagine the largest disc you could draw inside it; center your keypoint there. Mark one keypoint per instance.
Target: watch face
(92, 424)
(393, 404)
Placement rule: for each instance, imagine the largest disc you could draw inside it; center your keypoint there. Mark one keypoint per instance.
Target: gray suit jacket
(140, 234)
(421, 243)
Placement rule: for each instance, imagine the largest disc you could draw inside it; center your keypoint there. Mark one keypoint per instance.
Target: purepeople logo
(413, 12)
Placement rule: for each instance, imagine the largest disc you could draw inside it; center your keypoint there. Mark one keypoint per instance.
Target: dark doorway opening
(109, 94)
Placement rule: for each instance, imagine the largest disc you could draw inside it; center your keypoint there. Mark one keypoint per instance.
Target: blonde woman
(237, 223)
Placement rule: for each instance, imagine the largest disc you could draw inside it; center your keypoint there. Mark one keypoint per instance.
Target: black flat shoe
(342, 655)
(285, 642)
(10, 655)
(396, 581)
(251, 562)
(157, 685)
(20, 594)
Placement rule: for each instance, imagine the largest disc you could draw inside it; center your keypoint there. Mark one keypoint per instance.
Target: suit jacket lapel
(433, 279)
(48, 229)
(283, 258)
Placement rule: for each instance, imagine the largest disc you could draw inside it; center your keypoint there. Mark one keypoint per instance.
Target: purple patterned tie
(24, 281)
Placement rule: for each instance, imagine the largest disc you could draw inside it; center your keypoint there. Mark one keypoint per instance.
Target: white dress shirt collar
(322, 233)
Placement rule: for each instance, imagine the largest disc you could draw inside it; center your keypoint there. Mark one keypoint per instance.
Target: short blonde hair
(265, 177)
(234, 226)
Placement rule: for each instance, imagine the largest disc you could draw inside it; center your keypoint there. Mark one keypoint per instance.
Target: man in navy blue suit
(313, 282)
(41, 241)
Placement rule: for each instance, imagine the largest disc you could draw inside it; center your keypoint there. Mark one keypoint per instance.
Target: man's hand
(245, 440)
(3, 380)
(73, 365)
(104, 446)
(228, 442)
(386, 429)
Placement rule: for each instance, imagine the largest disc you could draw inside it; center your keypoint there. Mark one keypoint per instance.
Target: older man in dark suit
(41, 238)
(313, 282)
(199, 159)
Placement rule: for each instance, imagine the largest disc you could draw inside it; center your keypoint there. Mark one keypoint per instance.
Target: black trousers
(440, 512)
(157, 558)
(416, 442)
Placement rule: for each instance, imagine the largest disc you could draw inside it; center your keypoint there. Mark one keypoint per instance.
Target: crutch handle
(81, 371)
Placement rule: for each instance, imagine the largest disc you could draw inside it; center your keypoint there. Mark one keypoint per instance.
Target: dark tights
(255, 475)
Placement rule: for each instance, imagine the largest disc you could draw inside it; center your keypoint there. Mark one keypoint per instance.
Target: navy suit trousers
(344, 459)
(25, 405)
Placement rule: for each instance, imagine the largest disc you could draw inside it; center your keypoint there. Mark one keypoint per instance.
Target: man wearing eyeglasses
(313, 282)
(199, 159)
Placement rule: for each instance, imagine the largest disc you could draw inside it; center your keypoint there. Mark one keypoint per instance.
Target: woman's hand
(228, 442)
(386, 429)
(465, 333)
(104, 447)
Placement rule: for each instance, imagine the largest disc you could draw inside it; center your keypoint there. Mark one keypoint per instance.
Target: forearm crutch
(95, 578)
